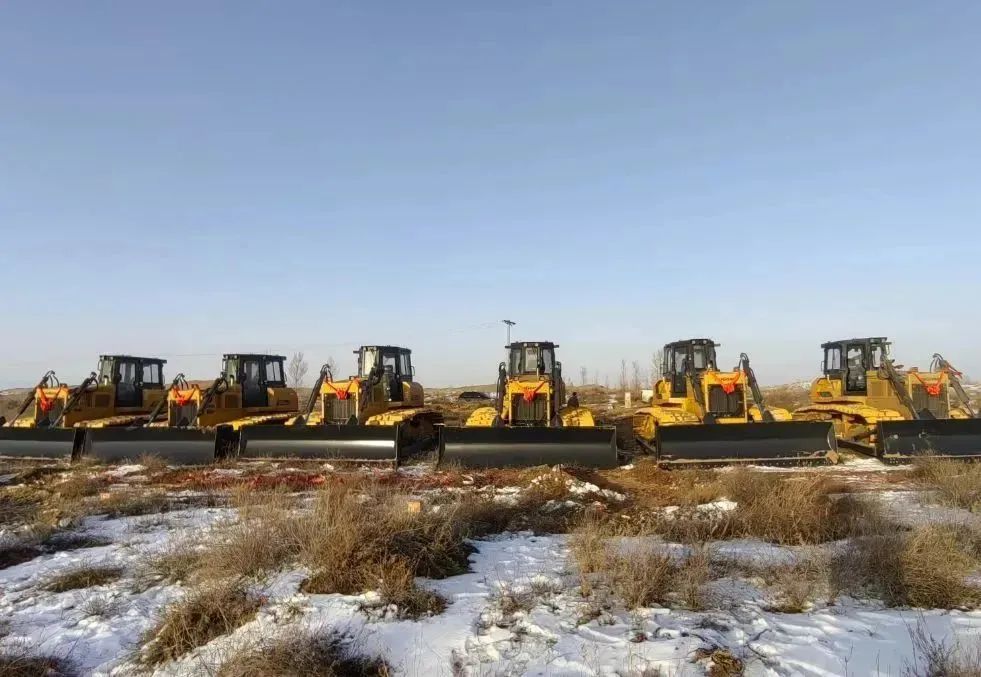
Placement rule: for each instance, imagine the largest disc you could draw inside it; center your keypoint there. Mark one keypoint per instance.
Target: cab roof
(875, 340)
(543, 344)
(134, 358)
(384, 348)
(264, 356)
(693, 341)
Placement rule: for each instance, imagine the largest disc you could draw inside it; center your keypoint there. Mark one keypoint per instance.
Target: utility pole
(510, 324)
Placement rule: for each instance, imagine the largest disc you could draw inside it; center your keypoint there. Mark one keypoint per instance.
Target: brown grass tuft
(206, 613)
(83, 577)
(24, 664)
(311, 655)
(939, 658)
(958, 484)
(924, 568)
(177, 563)
(153, 463)
(641, 576)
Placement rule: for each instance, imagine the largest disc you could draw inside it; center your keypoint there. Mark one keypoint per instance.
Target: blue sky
(188, 178)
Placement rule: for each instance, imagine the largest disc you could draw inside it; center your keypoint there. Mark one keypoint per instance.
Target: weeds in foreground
(311, 655)
(958, 484)
(940, 658)
(207, 612)
(25, 664)
(83, 577)
(923, 568)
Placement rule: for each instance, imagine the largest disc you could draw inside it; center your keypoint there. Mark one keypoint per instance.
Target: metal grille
(341, 411)
(528, 413)
(935, 405)
(182, 416)
(726, 405)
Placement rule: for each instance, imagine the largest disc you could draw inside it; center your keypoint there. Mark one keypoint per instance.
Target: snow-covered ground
(99, 628)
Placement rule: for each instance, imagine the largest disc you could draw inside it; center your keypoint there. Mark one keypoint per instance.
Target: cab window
(368, 358)
(151, 374)
(406, 364)
(701, 360)
(680, 360)
(126, 372)
(832, 359)
(855, 357)
(105, 372)
(274, 372)
(877, 354)
(388, 362)
(250, 371)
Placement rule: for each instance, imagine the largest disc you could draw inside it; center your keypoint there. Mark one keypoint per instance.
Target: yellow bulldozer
(531, 422)
(124, 391)
(378, 414)
(880, 408)
(700, 414)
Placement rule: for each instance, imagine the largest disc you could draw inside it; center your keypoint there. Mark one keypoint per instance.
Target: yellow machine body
(383, 393)
(690, 396)
(861, 388)
(251, 391)
(123, 392)
(529, 396)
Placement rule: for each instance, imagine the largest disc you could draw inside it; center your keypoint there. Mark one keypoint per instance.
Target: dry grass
(83, 577)
(19, 505)
(642, 576)
(24, 664)
(923, 568)
(153, 463)
(958, 484)
(310, 655)
(793, 511)
(691, 576)
(17, 553)
(175, 564)
(354, 537)
(938, 658)
(206, 613)
(132, 502)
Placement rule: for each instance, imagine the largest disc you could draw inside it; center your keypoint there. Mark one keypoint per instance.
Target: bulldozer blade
(179, 446)
(779, 443)
(499, 447)
(56, 443)
(902, 441)
(371, 443)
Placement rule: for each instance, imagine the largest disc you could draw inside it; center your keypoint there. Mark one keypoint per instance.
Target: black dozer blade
(902, 441)
(370, 443)
(780, 443)
(55, 443)
(177, 446)
(522, 447)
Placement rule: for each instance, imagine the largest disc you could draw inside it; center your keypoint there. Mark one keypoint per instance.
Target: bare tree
(582, 376)
(623, 376)
(657, 361)
(296, 371)
(637, 376)
(596, 377)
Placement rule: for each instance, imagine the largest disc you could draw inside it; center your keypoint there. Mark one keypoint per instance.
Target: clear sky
(188, 178)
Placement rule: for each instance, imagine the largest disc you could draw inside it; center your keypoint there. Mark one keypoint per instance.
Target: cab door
(127, 378)
(253, 382)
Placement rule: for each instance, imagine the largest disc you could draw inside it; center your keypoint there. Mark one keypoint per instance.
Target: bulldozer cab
(850, 361)
(256, 374)
(531, 358)
(683, 359)
(391, 365)
(129, 377)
